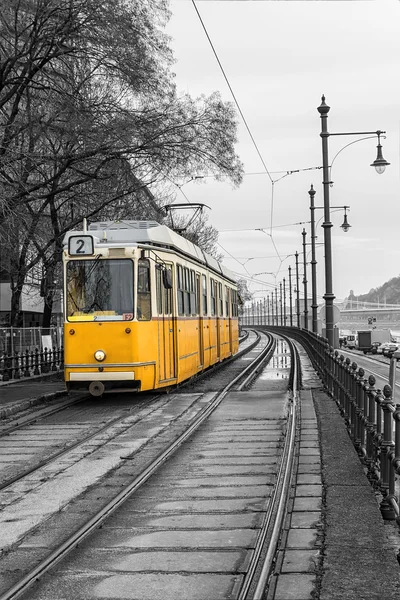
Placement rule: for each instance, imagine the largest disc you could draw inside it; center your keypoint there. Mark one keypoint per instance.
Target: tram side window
(204, 289)
(213, 293)
(181, 290)
(221, 300)
(159, 291)
(234, 297)
(193, 302)
(186, 297)
(168, 298)
(143, 291)
(164, 295)
(226, 301)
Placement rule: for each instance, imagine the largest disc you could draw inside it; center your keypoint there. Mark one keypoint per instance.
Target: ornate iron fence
(30, 363)
(372, 417)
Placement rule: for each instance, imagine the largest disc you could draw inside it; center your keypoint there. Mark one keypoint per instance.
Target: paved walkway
(357, 549)
(19, 395)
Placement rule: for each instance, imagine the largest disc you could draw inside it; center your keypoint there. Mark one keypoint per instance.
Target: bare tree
(90, 120)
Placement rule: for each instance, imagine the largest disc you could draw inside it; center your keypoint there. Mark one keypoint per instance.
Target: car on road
(373, 349)
(389, 348)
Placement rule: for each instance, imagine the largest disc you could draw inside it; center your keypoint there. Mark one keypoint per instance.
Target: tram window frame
(192, 293)
(220, 300)
(180, 290)
(159, 291)
(163, 294)
(186, 297)
(227, 301)
(143, 304)
(168, 295)
(213, 298)
(235, 303)
(204, 288)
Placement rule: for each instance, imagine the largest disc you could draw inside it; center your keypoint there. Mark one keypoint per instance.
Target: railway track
(32, 442)
(203, 484)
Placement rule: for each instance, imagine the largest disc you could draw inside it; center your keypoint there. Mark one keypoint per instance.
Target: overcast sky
(280, 57)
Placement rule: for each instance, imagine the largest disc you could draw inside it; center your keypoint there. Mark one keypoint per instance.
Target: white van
(350, 341)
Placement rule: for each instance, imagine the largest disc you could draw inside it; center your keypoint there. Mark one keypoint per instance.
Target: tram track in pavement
(36, 439)
(97, 520)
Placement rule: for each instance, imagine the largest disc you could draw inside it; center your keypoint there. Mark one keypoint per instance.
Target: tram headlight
(100, 355)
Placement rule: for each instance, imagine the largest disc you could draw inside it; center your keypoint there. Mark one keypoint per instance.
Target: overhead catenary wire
(269, 173)
(231, 90)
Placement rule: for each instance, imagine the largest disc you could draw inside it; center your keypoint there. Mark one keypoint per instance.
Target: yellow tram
(144, 308)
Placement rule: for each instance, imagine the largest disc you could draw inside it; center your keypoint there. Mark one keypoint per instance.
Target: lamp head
(379, 163)
(345, 225)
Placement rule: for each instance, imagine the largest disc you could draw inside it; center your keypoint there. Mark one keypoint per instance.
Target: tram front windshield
(99, 290)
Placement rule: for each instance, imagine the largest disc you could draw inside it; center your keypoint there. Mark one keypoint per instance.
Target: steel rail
(58, 454)
(53, 411)
(272, 525)
(27, 420)
(85, 530)
(260, 363)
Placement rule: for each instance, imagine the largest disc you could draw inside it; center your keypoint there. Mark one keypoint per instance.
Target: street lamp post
(380, 164)
(284, 301)
(272, 309)
(314, 303)
(305, 280)
(297, 290)
(290, 297)
(345, 226)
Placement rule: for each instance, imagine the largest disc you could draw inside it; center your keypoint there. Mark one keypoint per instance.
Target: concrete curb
(21, 405)
(41, 377)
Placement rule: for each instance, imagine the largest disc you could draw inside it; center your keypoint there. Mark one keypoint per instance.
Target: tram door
(200, 320)
(166, 334)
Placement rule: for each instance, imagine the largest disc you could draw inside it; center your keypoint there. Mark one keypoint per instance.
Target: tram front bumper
(99, 382)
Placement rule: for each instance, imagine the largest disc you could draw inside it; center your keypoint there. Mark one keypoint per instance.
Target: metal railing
(30, 363)
(372, 417)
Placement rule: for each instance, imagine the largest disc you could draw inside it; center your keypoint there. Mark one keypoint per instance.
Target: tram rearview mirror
(167, 279)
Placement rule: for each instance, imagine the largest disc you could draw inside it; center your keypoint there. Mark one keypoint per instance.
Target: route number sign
(81, 245)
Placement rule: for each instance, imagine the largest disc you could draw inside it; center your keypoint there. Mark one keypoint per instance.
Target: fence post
(53, 360)
(392, 372)
(387, 486)
(340, 379)
(346, 392)
(36, 362)
(353, 400)
(329, 370)
(370, 427)
(27, 372)
(17, 374)
(7, 373)
(45, 361)
(359, 429)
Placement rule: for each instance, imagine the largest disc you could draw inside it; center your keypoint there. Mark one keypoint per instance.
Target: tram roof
(152, 233)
